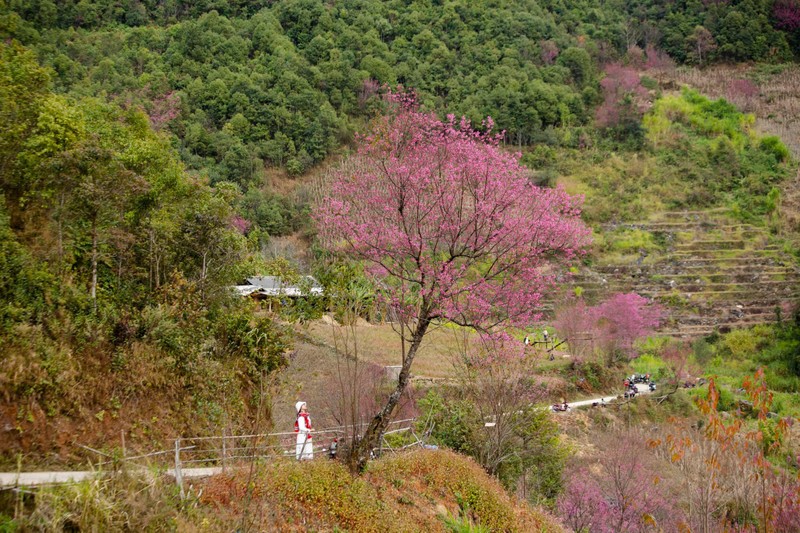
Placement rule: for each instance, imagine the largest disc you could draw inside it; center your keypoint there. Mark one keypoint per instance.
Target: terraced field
(711, 273)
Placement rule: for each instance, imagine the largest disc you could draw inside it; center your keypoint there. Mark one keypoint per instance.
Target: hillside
(416, 491)
(711, 271)
(154, 154)
(422, 490)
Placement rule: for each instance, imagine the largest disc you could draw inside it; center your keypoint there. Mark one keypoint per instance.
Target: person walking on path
(302, 426)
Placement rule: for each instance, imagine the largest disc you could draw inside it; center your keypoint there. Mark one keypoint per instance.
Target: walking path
(641, 388)
(33, 479)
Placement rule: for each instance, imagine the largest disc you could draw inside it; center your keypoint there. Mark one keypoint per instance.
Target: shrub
(773, 145)
(703, 351)
(453, 421)
(739, 344)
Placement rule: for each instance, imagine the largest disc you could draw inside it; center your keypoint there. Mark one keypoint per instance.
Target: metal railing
(191, 456)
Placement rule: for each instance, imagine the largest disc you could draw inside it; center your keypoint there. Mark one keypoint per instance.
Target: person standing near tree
(302, 426)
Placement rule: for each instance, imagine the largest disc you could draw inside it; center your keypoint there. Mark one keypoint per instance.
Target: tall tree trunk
(360, 453)
(151, 257)
(60, 217)
(203, 277)
(94, 263)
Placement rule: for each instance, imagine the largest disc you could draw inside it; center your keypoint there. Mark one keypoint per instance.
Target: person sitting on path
(302, 426)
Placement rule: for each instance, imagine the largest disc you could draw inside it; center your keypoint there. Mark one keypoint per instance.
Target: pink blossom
(624, 97)
(613, 326)
(448, 220)
(624, 318)
(549, 52)
(165, 109)
(240, 224)
(786, 14)
(657, 59)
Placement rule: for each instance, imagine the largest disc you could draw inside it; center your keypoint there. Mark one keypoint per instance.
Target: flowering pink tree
(611, 327)
(242, 225)
(583, 506)
(574, 321)
(623, 319)
(786, 14)
(657, 59)
(549, 52)
(619, 487)
(677, 370)
(743, 93)
(450, 225)
(165, 109)
(625, 100)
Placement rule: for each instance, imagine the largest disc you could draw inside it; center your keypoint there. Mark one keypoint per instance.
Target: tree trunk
(94, 264)
(203, 278)
(151, 257)
(60, 217)
(360, 452)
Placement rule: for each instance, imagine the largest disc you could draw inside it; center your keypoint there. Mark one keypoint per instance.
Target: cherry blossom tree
(574, 321)
(623, 319)
(657, 59)
(549, 52)
(786, 14)
(625, 100)
(450, 225)
(612, 327)
(677, 368)
(619, 487)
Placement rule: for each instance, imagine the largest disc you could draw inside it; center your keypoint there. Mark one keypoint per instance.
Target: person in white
(302, 426)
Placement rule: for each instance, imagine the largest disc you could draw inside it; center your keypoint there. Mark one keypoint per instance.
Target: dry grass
(777, 106)
(414, 491)
(380, 344)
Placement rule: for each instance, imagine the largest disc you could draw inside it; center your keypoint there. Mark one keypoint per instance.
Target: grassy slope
(407, 492)
(415, 491)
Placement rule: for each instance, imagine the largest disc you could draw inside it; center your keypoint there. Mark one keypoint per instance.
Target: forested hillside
(154, 152)
(114, 264)
(250, 87)
(143, 142)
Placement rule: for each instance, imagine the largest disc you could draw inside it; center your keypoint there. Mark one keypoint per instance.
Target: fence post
(223, 453)
(178, 474)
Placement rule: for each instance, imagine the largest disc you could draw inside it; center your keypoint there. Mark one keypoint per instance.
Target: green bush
(453, 421)
(740, 344)
(649, 364)
(773, 145)
(703, 351)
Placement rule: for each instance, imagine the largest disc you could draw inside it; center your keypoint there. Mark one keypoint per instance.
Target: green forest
(154, 152)
(244, 87)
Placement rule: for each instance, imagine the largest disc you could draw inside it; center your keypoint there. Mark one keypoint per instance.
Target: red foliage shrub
(786, 14)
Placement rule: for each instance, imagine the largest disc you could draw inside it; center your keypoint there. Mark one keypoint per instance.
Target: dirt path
(642, 388)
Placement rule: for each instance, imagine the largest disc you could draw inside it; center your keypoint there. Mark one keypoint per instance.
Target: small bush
(740, 344)
(773, 146)
(703, 351)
